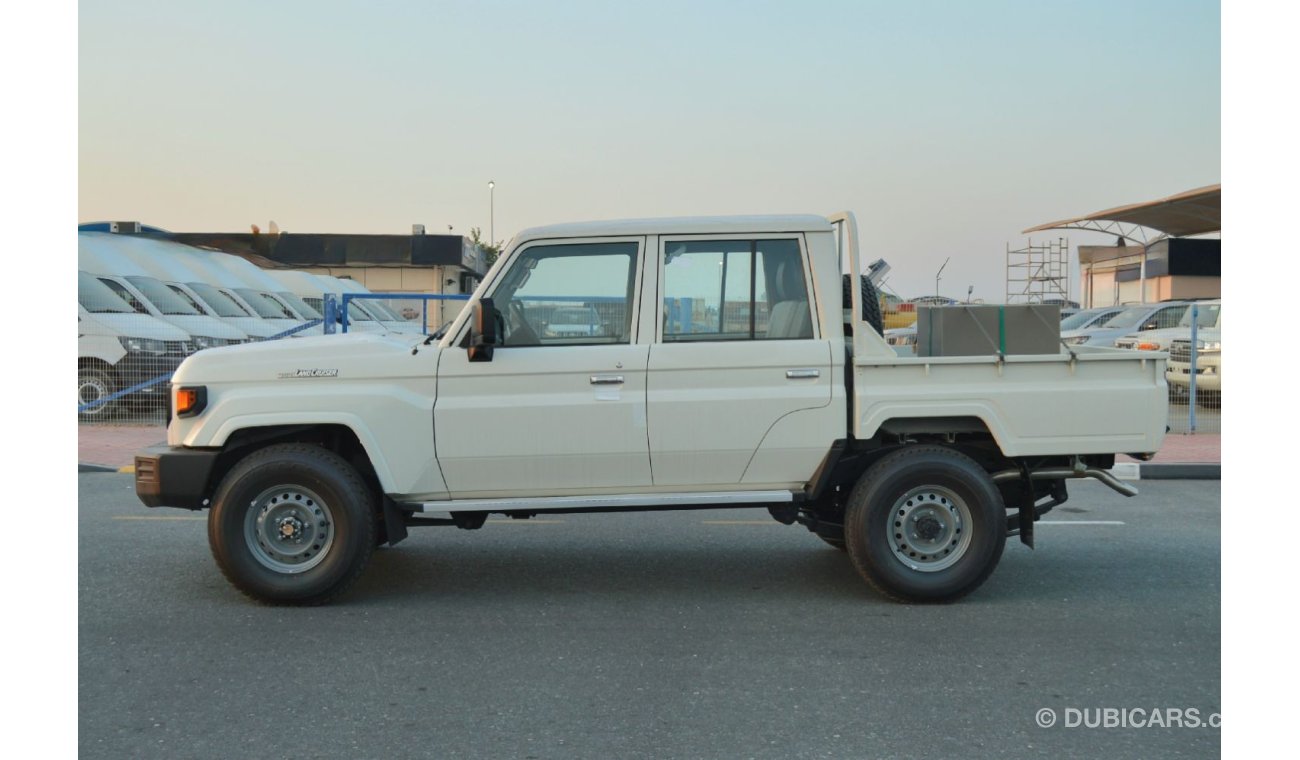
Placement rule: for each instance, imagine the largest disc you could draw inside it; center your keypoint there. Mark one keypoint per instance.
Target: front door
(560, 408)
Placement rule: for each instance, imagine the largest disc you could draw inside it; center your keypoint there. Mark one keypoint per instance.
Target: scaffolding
(1039, 273)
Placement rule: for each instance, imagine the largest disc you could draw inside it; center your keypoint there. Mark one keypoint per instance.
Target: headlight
(143, 345)
(1207, 345)
(1077, 340)
(206, 341)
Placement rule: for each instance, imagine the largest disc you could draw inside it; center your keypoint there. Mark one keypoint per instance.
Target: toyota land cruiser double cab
(734, 367)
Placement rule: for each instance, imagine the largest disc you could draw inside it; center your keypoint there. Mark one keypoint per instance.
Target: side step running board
(611, 502)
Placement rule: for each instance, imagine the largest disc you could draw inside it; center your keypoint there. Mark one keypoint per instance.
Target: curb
(88, 467)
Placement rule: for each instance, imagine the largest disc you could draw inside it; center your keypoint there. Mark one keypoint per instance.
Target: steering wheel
(518, 331)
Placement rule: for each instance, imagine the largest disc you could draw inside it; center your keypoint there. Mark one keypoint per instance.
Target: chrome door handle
(606, 379)
(796, 374)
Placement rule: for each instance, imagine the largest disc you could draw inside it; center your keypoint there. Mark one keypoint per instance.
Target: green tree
(490, 250)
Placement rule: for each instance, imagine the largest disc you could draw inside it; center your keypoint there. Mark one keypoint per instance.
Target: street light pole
(492, 213)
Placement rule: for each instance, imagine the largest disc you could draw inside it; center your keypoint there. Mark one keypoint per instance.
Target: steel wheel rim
(289, 529)
(929, 528)
(97, 387)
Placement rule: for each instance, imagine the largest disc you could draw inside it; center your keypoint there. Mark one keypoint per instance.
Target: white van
(171, 263)
(256, 301)
(148, 295)
(312, 289)
(259, 281)
(377, 308)
(118, 348)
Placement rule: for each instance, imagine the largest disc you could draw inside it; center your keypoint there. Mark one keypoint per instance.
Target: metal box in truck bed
(984, 329)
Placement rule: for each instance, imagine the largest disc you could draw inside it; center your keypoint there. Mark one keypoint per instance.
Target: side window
(126, 295)
(735, 290)
(568, 295)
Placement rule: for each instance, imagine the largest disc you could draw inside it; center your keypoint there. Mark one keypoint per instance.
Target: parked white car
(1207, 316)
(1209, 366)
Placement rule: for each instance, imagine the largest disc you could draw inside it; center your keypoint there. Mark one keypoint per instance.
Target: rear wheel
(292, 524)
(925, 524)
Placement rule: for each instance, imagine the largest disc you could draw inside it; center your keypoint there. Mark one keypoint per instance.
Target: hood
(202, 324)
(136, 325)
(344, 357)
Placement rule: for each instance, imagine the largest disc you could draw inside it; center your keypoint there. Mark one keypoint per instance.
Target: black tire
(943, 483)
(870, 303)
(92, 385)
(264, 488)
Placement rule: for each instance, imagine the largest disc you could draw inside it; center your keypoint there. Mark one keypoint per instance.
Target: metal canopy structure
(1194, 212)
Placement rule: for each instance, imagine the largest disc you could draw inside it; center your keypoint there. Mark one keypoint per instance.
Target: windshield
(96, 297)
(264, 305)
(1081, 319)
(304, 310)
(382, 310)
(1127, 318)
(222, 304)
(161, 296)
(1207, 315)
(185, 297)
(354, 314)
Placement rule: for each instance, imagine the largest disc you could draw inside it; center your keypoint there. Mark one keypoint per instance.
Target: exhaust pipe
(1078, 470)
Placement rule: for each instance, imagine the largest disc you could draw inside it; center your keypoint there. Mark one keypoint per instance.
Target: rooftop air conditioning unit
(124, 227)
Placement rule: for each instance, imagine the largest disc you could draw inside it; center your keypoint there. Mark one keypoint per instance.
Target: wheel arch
(337, 437)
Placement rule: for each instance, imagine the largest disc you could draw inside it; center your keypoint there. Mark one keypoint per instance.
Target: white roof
(683, 225)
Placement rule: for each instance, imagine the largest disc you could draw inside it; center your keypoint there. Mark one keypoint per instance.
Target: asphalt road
(717, 634)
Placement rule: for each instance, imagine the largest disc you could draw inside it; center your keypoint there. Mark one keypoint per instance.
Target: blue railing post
(1191, 377)
(343, 309)
(331, 305)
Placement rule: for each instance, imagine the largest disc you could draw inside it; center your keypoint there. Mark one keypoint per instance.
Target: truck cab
(733, 366)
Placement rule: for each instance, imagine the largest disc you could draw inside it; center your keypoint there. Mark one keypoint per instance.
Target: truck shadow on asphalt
(741, 574)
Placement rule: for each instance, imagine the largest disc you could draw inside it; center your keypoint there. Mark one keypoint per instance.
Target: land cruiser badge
(311, 373)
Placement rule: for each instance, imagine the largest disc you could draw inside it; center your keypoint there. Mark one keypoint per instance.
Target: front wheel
(925, 524)
(292, 524)
(93, 386)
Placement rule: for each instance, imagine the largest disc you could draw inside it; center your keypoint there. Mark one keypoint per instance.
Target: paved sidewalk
(114, 446)
(1180, 448)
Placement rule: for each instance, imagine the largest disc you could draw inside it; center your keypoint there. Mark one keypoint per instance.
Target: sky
(947, 127)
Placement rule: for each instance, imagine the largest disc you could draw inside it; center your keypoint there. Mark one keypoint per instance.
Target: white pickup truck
(734, 367)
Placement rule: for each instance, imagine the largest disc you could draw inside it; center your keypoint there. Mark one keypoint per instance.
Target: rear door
(739, 376)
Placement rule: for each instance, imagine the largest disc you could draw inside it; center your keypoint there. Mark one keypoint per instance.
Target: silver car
(1137, 318)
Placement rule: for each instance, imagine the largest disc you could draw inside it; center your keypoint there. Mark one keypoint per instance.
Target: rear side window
(735, 290)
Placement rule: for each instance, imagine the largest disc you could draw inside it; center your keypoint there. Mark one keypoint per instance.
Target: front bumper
(174, 476)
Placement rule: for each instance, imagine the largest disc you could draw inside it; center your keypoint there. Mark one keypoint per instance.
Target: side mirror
(482, 331)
